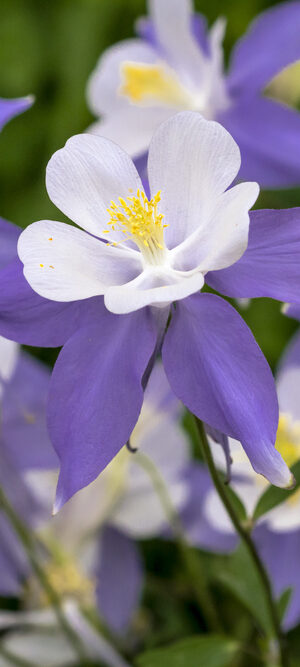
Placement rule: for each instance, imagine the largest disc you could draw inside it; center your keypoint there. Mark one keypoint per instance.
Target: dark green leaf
(212, 651)
(240, 577)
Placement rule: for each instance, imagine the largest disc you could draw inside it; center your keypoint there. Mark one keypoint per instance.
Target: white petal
(103, 91)
(63, 263)
(215, 511)
(288, 389)
(82, 515)
(285, 517)
(97, 647)
(160, 437)
(173, 28)
(223, 237)
(192, 161)
(38, 646)
(141, 514)
(9, 352)
(83, 177)
(156, 288)
(132, 127)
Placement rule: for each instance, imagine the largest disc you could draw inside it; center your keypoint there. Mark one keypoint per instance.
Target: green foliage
(274, 496)
(212, 651)
(241, 579)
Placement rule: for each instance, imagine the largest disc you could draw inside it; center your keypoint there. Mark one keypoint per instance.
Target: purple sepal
(13, 107)
(96, 394)
(267, 133)
(24, 434)
(13, 562)
(270, 266)
(145, 29)
(119, 578)
(198, 531)
(271, 43)
(9, 235)
(281, 556)
(31, 320)
(221, 375)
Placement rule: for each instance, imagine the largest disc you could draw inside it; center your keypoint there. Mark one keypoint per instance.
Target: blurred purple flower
(176, 64)
(94, 534)
(211, 358)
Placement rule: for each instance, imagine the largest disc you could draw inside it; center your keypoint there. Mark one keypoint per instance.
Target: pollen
(68, 581)
(288, 439)
(143, 83)
(139, 220)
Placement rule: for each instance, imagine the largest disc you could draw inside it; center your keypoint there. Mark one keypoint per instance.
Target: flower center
(66, 579)
(138, 219)
(144, 84)
(288, 439)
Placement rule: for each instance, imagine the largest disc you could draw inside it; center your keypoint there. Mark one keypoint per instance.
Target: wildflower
(157, 251)
(91, 555)
(277, 533)
(175, 64)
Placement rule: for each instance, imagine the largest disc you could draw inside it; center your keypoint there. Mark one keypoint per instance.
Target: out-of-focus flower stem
(29, 545)
(247, 540)
(189, 557)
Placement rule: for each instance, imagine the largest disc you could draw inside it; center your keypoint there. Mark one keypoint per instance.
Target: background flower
(177, 64)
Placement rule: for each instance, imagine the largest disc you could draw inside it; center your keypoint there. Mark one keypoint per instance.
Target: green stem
(247, 540)
(190, 559)
(28, 542)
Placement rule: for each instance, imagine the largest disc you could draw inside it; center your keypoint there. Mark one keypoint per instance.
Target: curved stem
(199, 583)
(247, 540)
(28, 542)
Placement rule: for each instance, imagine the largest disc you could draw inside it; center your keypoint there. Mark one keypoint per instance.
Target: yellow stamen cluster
(67, 579)
(143, 83)
(288, 439)
(138, 219)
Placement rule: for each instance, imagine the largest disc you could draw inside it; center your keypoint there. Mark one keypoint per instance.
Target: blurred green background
(48, 48)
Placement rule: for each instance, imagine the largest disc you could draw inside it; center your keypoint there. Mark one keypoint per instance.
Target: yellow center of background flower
(288, 439)
(143, 84)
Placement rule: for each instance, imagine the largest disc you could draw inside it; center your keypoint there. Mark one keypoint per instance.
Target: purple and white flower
(141, 255)
(176, 64)
(90, 545)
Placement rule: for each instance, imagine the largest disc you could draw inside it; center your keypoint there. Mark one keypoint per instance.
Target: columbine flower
(13, 107)
(211, 359)
(278, 532)
(175, 65)
(92, 556)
